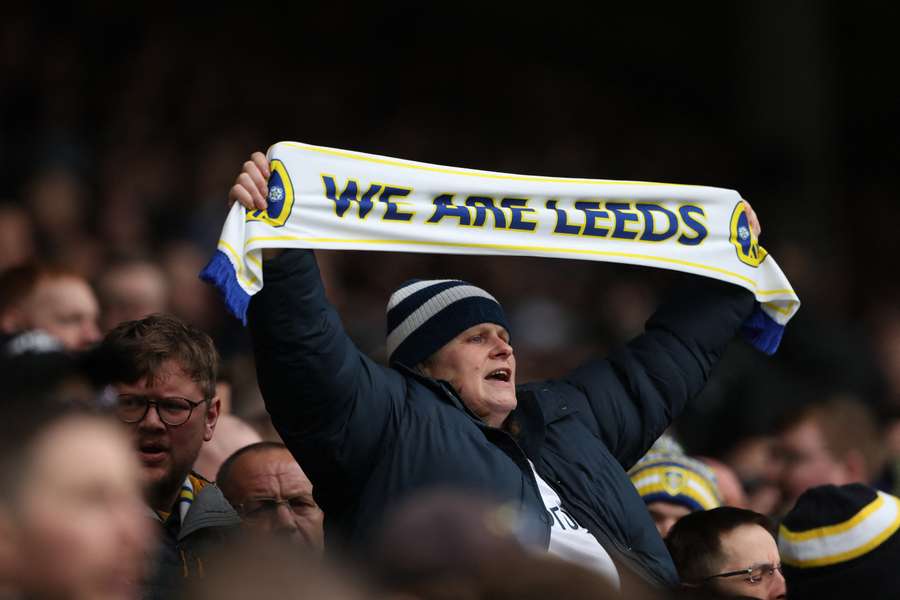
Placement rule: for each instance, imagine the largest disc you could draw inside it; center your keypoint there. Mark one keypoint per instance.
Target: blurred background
(122, 126)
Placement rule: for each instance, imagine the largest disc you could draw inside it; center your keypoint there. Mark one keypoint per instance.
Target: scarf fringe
(762, 332)
(220, 273)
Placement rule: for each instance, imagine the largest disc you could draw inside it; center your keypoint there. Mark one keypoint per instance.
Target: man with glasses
(163, 372)
(727, 550)
(272, 494)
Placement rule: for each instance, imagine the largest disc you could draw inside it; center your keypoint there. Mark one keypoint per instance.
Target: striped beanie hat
(676, 479)
(841, 542)
(423, 315)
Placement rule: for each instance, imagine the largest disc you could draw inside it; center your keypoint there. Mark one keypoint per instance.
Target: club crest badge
(673, 482)
(280, 199)
(745, 243)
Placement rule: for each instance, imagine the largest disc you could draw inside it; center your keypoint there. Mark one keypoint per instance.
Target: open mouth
(500, 375)
(152, 451)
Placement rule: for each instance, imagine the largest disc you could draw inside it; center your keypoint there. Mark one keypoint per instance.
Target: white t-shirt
(571, 541)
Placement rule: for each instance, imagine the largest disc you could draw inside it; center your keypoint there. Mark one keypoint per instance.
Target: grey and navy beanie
(423, 315)
(841, 542)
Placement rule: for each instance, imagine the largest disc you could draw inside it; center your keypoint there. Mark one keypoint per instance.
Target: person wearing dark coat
(448, 412)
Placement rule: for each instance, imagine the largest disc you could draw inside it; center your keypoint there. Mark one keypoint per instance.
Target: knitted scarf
(338, 199)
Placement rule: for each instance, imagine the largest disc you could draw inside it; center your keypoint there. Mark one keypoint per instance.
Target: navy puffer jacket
(368, 435)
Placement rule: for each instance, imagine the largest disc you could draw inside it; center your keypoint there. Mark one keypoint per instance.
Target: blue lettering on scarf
(392, 211)
(689, 216)
(592, 212)
(483, 204)
(444, 207)
(519, 208)
(650, 234)
(622, 218)
(562, 221)
(350, 195)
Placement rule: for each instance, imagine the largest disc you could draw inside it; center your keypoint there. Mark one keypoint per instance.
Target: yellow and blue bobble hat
(840, 540)
(676, 479)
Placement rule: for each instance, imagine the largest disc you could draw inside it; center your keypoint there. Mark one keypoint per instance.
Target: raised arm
(630, 398)
(333, 406)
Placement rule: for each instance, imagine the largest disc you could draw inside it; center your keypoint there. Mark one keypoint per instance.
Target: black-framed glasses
(264, 508)
(172, 410)
(754, 574)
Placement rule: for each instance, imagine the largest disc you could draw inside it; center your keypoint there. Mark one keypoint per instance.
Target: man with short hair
(164, 374)
(52, 299)
(835, 441)
(727, 550)
(232, 434)
(448, 411)
(130, 290)
(272, 494)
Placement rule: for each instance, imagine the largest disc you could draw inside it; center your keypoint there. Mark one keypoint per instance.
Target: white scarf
(339, 199)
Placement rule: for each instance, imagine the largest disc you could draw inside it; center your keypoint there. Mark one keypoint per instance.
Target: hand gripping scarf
(338, 199)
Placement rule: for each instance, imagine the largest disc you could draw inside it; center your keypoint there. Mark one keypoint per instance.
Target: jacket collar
(209, 509)
(527, 423)
(536, 407)
(442, 388)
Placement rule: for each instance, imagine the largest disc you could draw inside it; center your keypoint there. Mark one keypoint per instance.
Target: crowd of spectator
(79, 508)
(781, 477)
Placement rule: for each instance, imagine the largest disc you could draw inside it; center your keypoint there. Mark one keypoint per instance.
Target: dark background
(122, 128)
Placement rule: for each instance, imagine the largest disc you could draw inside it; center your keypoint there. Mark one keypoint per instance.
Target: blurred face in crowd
(808, 462)
(232, 434)
(757, 463)
(77, 530)
(64, 307)
(480, 365)
(167, 452)
(665, 515)
(750, 546)
(273, 495)
(132, 292)
(16, 236)
(730, 487)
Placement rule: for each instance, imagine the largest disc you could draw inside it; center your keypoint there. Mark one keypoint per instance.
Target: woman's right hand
(251, 186)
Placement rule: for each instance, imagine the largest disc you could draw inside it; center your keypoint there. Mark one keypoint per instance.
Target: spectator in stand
(672, 486)
(730, 487)
(16, 236)
(842, 542)
(727, 550)
(448, 410)
(71, 522)
(836, 441)
(232, 434)
(272, 494)
(35, 366)
(54, 300)
(756, 461)
(272, 568)
(131, 290)
(164, 374)
(446, 544)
